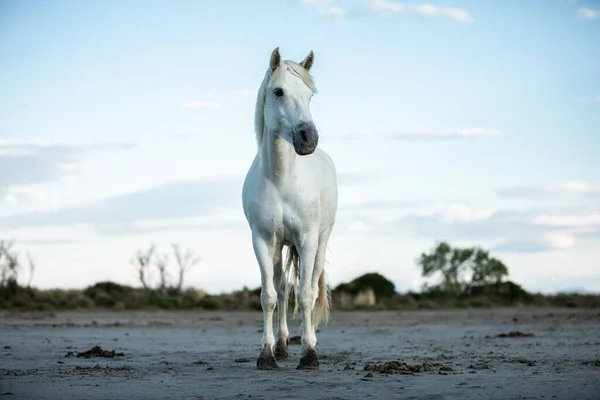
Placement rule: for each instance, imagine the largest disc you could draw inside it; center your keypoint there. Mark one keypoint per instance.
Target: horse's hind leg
(281, 349)
(264, 252)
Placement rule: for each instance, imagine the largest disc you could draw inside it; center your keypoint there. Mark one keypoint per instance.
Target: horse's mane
(270, 78)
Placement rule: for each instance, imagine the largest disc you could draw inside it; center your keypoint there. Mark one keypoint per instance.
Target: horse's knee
(268, 299)
(305, 299)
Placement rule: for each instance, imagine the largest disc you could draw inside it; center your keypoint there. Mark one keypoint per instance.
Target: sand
(540, 354)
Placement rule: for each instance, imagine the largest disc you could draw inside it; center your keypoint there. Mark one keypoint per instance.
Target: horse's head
(288, 89)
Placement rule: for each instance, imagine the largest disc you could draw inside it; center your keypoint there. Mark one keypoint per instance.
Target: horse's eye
(278, 92)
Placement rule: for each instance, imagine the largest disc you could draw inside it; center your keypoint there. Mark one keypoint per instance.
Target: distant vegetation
(458, 278)
(145, 260)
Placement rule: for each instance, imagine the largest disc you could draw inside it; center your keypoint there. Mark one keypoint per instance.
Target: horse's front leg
(308, 252)
(264, 251)
(281, 350)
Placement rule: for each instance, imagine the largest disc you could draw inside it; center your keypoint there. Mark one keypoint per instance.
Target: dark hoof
(309, 360)
(266, 362)
(281, 350)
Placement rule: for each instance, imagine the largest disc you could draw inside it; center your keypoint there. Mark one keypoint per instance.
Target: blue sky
(129, 122)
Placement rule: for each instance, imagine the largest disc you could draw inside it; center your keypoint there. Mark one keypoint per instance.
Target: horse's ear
(275, 59)
(308, 61)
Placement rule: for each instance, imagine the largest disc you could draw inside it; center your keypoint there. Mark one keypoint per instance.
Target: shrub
(208, 302)
(381, 286)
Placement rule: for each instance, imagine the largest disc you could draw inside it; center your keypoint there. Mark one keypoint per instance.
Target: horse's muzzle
(305, 138)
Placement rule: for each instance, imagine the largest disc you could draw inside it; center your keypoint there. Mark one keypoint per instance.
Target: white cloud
(187, 134)
(233, 94)
(382, 5)
(72, 168)
(127, 209)
(26, 162)
(589, 13)
(453, 213)
(359, 227)
(559, 240)
(568, 221)
(202, 104)
(456, 213)
(567, 188)
(377, 214)
(220, 99)
(25, 144)
(324, 7)
(588, 99)
(508, 230)
(18, 195)
(28, 146)
(425, 10)
(429, 134)
(579, 187)
(462, 213)
(10, 152)
(29, 199)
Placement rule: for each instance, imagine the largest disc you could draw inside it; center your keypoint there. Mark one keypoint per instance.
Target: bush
(427, 305)
(107, 294)
(208, 303)
(382, 287)
(113, 296)
(164, 301)
(255, 305)
(506, 290)
(400, 301)
(136, 300)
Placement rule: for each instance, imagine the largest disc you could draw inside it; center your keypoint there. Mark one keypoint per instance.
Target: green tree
(455, 265)
(447, 262)
(487, 270)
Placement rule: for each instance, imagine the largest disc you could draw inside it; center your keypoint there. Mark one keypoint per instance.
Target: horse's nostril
(303, 135)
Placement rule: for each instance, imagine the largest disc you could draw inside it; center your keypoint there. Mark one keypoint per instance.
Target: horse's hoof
(266, 362)
(281, 350)
(309, 360)
(281, 354)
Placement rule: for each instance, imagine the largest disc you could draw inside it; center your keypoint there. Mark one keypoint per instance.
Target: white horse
(290, 198)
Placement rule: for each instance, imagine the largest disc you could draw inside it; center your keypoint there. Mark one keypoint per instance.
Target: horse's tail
(292, 273)
(323, 305)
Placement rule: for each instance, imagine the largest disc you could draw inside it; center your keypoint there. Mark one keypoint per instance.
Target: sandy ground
(205, 355)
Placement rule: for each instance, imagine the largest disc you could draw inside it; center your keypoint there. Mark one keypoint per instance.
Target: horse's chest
(291, 218)
(286, 213)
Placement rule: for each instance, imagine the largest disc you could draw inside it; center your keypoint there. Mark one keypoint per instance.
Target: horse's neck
(278, 157)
